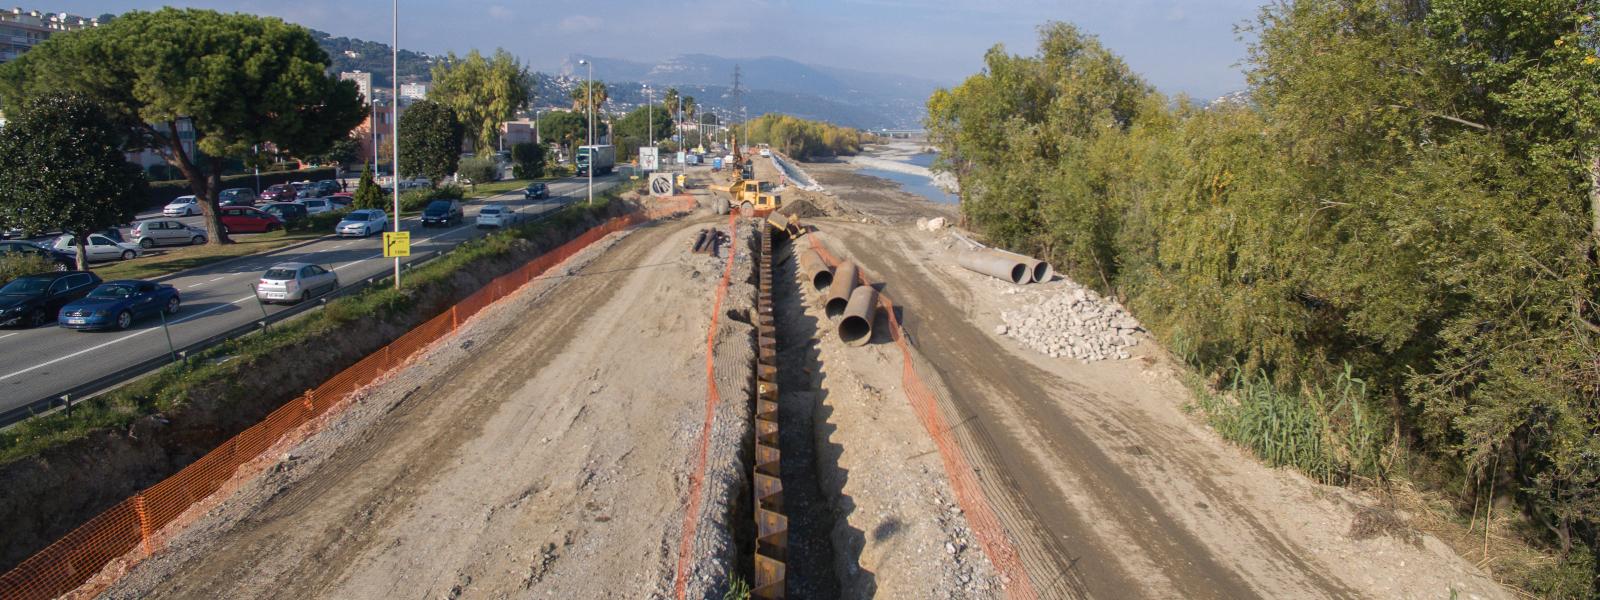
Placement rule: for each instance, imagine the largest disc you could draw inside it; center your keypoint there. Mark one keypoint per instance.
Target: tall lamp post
(650, 111)
(589, 102)
(394, 116)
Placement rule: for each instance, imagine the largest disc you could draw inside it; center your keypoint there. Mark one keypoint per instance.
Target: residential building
(383, 114)
(363, 82)
(520, 131)
(148, 157)
(411, 92)
(21, 30)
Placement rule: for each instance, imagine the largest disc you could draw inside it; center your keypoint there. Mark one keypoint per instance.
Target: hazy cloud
(500, 12)
(581, 24)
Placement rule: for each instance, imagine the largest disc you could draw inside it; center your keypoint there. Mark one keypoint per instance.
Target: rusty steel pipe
(1038, 271)
(815, 270)
(844, 280)
(998, 265)
(855, 329)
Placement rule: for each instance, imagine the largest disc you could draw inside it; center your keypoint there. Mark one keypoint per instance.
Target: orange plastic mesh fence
(79, 555)
(691, 513)
(985, 523)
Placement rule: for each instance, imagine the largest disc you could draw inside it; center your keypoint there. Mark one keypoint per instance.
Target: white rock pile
(1073, 323)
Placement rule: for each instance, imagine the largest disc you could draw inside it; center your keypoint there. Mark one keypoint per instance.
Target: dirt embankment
(48, 495)
(546, 452)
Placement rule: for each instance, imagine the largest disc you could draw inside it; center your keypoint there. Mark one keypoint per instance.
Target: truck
(750, 194)
(603, 158)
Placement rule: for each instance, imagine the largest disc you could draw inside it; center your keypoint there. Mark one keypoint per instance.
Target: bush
(320, 222)
(479, 170)
(528, 159)
(17, 264)
(415, 200)
(368, 194)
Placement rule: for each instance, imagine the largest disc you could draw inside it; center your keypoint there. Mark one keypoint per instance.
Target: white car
(100, 248)
(498, 216)
(316, 206)
(182, 206)
(362, 223)
(765, 153)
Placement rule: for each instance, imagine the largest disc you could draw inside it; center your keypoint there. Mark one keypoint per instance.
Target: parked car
(31, 300)
(100, 247)
(442, 212)
(536, 191)
(115, 305)
(63, 260)
(165, 232)
(341, 201)
(287, 212)
(245, 219)
(327, 187)
(317, 206)
(237, 197)
(362, 223)
(498, 216)
(182, 206)
(415, 184)
(294, 281)
(282, 192)
(114, 233)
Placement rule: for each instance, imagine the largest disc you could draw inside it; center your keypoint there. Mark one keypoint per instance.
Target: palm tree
(580, 98)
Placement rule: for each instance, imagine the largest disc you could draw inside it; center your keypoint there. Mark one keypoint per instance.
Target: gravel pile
(1074, 323)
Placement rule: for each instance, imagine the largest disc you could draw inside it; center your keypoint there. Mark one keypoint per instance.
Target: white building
(363, 82)
(413, 91)
(21, 30)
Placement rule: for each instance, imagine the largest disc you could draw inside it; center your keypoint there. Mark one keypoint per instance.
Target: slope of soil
(1119, 492)
(544, 452)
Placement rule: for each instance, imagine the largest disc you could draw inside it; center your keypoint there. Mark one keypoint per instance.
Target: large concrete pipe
(855, 329)
(815, 271)
(844, 280)
(1038, 271)
(995, 264)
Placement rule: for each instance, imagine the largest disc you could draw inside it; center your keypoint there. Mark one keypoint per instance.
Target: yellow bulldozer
(747, 194)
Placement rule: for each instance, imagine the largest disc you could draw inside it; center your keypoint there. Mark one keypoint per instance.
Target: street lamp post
(650, 111)
(394, 114)
(589, 101)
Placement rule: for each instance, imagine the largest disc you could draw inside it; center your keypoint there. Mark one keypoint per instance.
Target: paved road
(42, 361)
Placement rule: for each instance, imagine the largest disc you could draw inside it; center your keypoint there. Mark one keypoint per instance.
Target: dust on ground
(544, 451)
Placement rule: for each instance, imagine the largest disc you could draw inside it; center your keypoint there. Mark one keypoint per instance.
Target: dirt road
(538, 454)
(1109, 487)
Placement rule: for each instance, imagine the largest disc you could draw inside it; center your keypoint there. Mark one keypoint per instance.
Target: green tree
(238, 80)
(368, 194)
(529, 159)
(345, 151)
(569, 128)
(430, 141)
(633, 130)
(581, 97)
(479, 170)
(483, 93)
(65, 169)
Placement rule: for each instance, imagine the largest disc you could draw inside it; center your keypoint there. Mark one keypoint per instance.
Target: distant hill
(843, 96)
(771, 84)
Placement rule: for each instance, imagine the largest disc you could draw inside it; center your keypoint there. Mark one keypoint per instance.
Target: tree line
(1394, 234)
(802, 138)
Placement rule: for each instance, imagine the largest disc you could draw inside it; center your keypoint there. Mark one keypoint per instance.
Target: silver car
(165, 232)
(294, 281)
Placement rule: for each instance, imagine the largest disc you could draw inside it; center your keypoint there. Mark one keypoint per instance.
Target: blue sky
(1187, 46)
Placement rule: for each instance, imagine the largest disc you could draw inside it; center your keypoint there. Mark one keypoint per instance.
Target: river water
(916, 184)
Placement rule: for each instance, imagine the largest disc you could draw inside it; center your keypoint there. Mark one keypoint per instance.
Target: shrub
(17, 264)
(528, 159)
(418, 199)
(479, 170)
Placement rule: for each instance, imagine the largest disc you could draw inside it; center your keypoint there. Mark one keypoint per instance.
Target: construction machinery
(747, 194)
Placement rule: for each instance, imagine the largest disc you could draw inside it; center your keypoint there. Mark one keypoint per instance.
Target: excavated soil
(544, 452)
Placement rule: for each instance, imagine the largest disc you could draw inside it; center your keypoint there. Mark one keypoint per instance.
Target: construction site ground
(547, 451)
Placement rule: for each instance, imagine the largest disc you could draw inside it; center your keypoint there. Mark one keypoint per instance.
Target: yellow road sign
(396, 243)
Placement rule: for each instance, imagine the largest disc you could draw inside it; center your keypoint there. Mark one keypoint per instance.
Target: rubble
(1073, 323)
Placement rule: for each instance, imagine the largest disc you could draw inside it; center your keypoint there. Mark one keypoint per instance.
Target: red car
(283, 192)
(245, 219)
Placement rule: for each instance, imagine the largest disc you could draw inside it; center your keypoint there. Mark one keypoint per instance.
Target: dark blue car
(115, 305)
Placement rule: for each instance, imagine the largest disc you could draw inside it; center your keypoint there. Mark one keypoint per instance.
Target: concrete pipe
(995, 264)
(844, 280)
(855, 329)
(815, 271)
(1038, 271)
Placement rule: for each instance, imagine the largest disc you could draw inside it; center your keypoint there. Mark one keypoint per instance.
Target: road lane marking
(9, 334)
(123, 338)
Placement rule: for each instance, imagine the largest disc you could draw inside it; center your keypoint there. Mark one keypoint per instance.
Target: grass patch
(213, 374)
(495, 188)
(177, 258)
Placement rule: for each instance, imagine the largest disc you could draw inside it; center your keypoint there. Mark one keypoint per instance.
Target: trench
(801, 435)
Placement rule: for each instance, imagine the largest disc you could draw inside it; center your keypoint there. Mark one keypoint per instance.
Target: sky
(1181, 46)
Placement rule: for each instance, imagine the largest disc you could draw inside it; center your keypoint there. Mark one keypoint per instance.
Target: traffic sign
(396, 243)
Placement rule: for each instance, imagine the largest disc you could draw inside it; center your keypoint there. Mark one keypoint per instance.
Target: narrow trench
(810, 565)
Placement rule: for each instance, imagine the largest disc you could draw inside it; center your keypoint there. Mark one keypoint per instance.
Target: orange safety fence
(691, 514)
(133, 523)
(981, 517)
